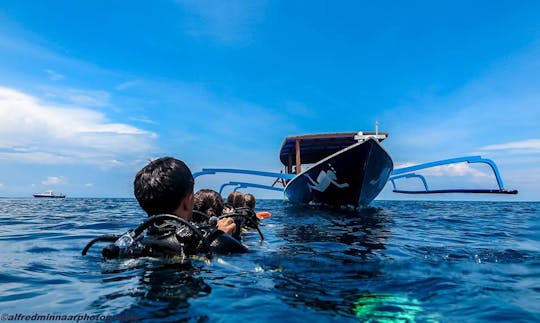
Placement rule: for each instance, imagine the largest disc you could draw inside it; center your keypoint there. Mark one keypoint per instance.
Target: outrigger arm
(213, 171)
(239, 185)
(400, 173)
(408, 172)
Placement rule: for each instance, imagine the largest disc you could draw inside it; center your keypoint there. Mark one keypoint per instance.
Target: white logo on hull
(324, 180)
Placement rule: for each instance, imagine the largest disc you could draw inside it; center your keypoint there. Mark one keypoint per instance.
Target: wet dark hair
(162, 185)
(236, 199)
(208, 201)
(249, 200)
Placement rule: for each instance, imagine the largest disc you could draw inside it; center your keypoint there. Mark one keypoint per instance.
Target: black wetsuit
(171, 238)
(168, 236)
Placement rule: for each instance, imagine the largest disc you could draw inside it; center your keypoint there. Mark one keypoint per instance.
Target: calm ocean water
(397, 261)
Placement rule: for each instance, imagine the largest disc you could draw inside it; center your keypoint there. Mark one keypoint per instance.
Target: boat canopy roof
(316, 147)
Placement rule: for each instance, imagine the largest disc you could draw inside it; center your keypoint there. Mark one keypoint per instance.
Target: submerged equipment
(133, 244)
(243, 216)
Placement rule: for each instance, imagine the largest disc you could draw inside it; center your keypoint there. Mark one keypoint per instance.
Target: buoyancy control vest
(168, 236)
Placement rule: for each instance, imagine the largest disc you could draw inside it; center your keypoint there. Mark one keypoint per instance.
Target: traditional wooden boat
(345, 169)
(341, 168)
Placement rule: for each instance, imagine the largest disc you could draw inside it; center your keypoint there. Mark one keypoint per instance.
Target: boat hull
(353, 176)
(50, 196)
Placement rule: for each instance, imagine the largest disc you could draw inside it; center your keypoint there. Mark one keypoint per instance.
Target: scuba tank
(168, 235)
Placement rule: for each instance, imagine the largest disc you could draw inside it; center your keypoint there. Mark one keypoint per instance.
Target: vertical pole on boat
(376, 128)
(298, 161)
(289, 165)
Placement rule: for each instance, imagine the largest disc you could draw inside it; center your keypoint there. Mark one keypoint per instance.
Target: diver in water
(234, 200)
(249, 201)
(243, 215)
(164, 190)
(209, 208)
(208, 211)
(249, 208)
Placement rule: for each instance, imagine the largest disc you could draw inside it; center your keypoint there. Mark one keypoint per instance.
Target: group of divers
(182, 223)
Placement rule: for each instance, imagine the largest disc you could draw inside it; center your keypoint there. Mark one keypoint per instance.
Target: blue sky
(90, 90)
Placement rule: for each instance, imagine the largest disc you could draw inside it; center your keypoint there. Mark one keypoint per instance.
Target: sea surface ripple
(406, 261)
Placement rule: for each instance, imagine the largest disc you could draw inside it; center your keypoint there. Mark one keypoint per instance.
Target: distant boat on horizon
(50, 194)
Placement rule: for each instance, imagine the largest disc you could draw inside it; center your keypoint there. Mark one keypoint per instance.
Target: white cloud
(88, 185)
(34, 132)
(454, 170)
(54, 76)
(53, 180)
(403, 165)
(460, 169)
(143, 119)
(530, 145)
(35, 157)
(82, 98)
(127, 85)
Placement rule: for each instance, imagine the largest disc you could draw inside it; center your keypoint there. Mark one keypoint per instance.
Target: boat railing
(409, 172)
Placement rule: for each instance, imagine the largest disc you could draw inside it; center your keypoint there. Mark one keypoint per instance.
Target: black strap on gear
(199, 216)
(245, 216)
(146, 224)
(106, 238)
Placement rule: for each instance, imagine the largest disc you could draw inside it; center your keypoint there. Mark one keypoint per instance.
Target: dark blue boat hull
(49, 197)
(353, 176)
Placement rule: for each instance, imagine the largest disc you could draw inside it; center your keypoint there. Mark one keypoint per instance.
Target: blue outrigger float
(345, 169)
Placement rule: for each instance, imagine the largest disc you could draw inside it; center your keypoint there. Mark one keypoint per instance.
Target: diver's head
(165, 186)
(249, 200)
(208, 201)
(331, 175)
(236, 199)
